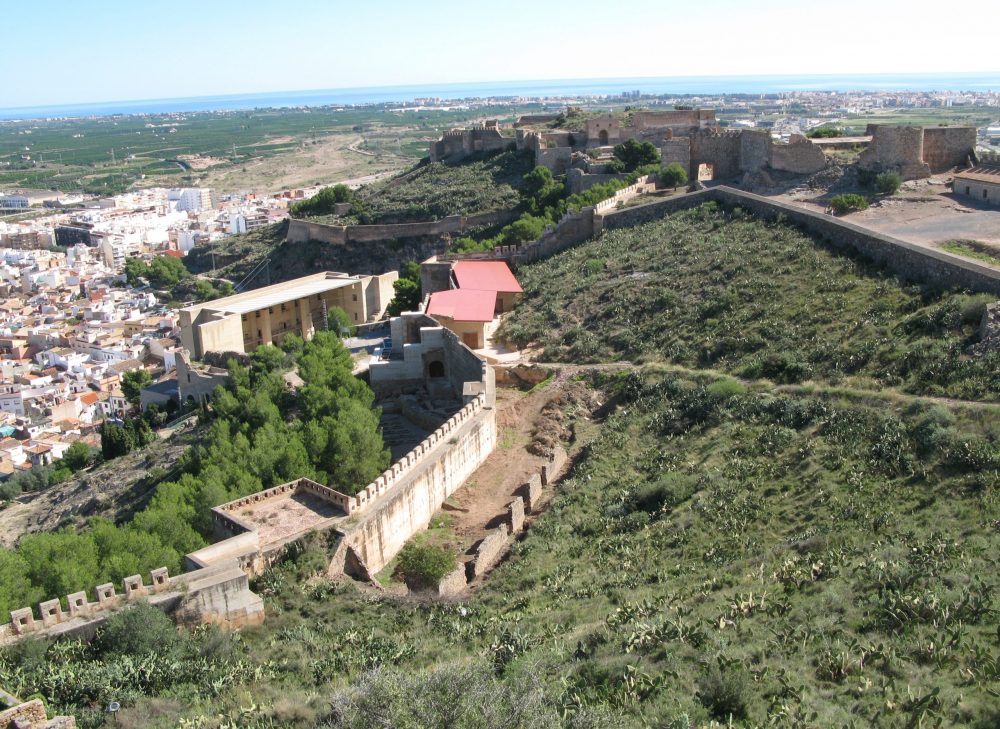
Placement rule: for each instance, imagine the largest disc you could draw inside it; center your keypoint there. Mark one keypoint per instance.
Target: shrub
(887, 183)
(725, 693)
(848, 202)
(635, 154)
(725, 389)
(673, 175)
(138, 630)
(822, 132)
(422, 566)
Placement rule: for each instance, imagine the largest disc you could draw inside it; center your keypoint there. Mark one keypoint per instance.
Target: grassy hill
(436, 190)
(704, 288)
(755, 552)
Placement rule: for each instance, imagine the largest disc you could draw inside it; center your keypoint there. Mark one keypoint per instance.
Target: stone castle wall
(300, 231)
(799, 156)
(948, 147)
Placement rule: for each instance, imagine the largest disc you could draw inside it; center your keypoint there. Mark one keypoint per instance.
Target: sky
(67, 51)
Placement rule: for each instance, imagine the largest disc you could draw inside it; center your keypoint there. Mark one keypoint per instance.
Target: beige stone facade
(245, 321)
(981, 184)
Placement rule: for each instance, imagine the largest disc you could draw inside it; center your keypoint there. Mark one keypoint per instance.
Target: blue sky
(63, 51)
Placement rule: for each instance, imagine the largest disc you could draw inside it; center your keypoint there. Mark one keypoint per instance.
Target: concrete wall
(902, 258)
(948, 147)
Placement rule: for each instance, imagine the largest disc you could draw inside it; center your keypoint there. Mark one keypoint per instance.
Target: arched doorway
(435, 369)
(603, 137)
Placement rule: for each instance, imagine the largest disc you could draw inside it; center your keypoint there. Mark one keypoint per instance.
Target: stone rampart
(220, 595)
(895, 148)
(301, 231)
(515, 515)
(799, 156)
(905, 259)
(531, 492)
(401, 501)
(32, 715)
(488, 553)
(948, 147)
(452, 584)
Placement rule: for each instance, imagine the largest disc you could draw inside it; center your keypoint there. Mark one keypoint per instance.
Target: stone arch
(602, 137)
(435, 369)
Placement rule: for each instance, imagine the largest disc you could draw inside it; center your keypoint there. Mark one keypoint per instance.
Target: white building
(192, 199)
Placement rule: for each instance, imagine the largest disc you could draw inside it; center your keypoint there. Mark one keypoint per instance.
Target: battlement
(51, 613)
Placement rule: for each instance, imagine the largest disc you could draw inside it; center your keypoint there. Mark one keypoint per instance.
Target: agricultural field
(264, 149)
(710, 289)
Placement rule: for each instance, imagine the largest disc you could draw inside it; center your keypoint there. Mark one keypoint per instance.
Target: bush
(887, 183)
(635, 154)
(139, 630)
(724, 693)
(823, 132)
(848, 202)
(423, 566)
(673, 175)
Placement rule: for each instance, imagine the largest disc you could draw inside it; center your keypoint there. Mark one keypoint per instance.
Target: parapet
(51, 614)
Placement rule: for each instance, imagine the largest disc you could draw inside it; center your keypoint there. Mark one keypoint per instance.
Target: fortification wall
(755, 150)
(897, 148)
(948, 147)
(799, 156)
(220, 595)
(557, 159)
(580, 181)
(419, 483)
(721, 150)
(677, 150)
(300, 231)
(902, 258)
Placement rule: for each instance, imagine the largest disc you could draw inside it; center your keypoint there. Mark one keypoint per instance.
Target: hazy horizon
(116, 50)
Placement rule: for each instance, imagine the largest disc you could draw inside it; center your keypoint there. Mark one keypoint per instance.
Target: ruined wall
(721, 150)
(755, 150)
(557, 159)
(456, 144)
(300, 231)
(948, 147)
(677, 150)
(895, 148)
(580, 181)
(799, 156)
(435, 276)
(902, 258)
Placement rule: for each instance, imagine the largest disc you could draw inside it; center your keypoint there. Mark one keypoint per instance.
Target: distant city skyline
(112, 50)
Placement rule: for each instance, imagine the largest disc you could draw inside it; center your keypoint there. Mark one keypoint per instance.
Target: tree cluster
(259, 434)
(163, 272)
(407, 288)
(323, 202)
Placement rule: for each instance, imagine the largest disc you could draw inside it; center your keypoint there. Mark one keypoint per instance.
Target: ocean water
(680, 85)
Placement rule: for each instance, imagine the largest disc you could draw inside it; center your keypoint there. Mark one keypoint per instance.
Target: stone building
(456, 144)
(243, 322)
(981, 183)
(918, 152)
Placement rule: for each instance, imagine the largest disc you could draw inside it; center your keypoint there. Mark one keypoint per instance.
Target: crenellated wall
(218, 595)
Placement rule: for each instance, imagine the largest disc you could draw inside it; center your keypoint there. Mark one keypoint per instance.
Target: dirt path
(528, 425)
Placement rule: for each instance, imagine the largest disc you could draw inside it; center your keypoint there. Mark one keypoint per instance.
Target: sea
(567, 88)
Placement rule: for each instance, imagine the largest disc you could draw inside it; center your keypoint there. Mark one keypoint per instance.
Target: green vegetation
(971, 249)
(719, 552)
(163, 272)
(422, 566)
(323, 202)
(339, 321)
(632, 155)
(826, 132)
(681, 290)
(258, 435)
(407, 290)
(888, 183)
(848, 202)
(132, 383)
(673, 175)
(431, 191)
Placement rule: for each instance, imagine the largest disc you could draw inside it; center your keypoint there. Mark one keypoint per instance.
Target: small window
(259, 335)
(282, 307)
(967, 191)
(984, 193)
(257, 315)
(354, 297)
(270, 310)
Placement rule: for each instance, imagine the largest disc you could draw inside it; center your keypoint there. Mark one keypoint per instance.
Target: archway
(603, 137)
(706, 172)
(435, 369)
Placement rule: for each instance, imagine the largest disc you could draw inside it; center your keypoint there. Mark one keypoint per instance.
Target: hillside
(432, 191)
(704, 288)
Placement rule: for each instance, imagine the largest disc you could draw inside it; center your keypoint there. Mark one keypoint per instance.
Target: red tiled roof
(463, 304)
(486, 276)
(174, 254)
